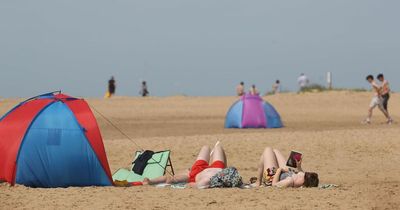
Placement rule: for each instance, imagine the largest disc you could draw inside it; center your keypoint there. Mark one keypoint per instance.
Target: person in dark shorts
(144, 91)
(111, 87)
(385, 91)
(376, 101)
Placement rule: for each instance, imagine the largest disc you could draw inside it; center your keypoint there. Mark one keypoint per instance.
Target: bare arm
(203, 183)
(385, 87)
(284, 183)
(191, 185)
(377, 88)
(288, 182)
(276, 176)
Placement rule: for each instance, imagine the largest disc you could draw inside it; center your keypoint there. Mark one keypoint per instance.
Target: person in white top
(377, 101)
(276, 88)
(385, 92)
(303, 81)
(240, 89)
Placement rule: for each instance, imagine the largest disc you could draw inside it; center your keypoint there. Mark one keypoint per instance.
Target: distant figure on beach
(303, 81)
(240, 89)
(144, 91)
(377, 101)
(276, 88)
(111, 87)
(253, 90)
(385, 91)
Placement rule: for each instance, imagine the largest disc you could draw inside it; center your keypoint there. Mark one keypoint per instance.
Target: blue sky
(193, 47)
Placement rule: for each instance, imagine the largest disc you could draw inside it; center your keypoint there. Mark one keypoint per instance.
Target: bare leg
(280, 159)
(177, 178)
(267, 160)
(385, 113)
(219, 154)
(260, 171)
(204, 154)
(158, 180)
(180, 178)
(369, 114)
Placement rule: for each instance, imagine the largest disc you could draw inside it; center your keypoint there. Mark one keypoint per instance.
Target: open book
(293, 157)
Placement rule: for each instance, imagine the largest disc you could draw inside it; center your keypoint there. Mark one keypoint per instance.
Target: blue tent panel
(56, 153)
(273, 118)
(234, 115)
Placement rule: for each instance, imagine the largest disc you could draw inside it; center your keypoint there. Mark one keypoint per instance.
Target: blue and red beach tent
(52, 140)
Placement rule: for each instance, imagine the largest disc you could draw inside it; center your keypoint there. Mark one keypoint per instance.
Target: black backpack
(141, 161)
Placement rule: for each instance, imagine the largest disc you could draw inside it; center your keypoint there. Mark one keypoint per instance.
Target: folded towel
(174, 186)
(328, 186)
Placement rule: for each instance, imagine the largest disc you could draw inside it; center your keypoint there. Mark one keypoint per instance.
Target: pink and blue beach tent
(251, 111)
(52, 140)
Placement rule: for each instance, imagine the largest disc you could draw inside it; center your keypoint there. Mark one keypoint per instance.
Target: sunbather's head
(228, 177)
(311, 179)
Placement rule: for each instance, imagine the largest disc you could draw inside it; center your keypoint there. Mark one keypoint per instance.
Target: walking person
(111, 87)
(377, 101)
(276, 88)
(240, 89)
(385, 91)
(144, 91)
(303, 81)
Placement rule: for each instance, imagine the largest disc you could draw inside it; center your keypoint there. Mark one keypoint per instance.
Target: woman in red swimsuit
(201, 172)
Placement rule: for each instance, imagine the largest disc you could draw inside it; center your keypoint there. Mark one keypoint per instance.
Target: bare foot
(366, 122)
(170, 180)
(253, 180)
(256, 184)
(146, 181)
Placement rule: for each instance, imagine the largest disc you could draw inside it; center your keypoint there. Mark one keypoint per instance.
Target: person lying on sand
(272, 171)
(202, 175)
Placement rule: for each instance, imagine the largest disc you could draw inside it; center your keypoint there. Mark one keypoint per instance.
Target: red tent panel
(12, 131)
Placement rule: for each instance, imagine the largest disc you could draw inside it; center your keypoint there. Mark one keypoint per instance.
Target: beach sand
(362, 159)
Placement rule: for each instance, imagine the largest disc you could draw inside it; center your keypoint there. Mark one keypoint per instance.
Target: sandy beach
(362, 159)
